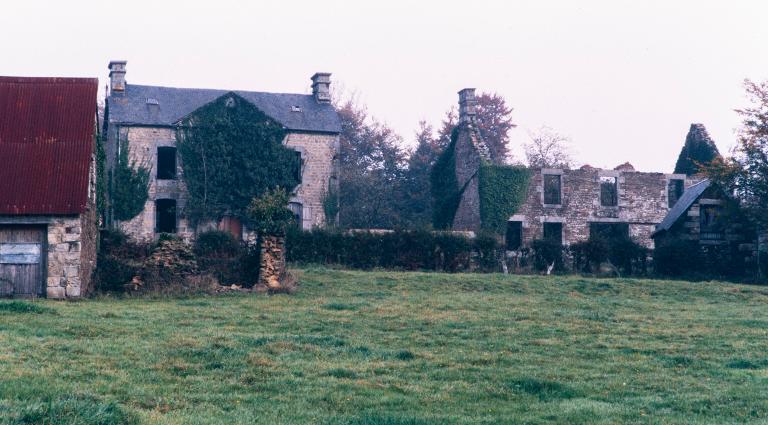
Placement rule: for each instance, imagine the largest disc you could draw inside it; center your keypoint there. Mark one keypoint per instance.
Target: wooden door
(22, 260)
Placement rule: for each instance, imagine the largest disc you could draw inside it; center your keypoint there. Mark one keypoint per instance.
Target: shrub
(119, 260)
(547, 252)
(623, 253)
(588, 255)
(677, 258)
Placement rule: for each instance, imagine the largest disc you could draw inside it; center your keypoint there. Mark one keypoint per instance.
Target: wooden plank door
(22, 261)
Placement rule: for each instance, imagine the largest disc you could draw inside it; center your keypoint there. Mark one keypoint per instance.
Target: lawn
(384, 348)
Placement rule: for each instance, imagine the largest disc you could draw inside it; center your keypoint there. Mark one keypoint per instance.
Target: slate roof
(681, 206)
(47, 128)
(173, 104)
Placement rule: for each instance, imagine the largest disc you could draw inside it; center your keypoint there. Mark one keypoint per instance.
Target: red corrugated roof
(46, 141)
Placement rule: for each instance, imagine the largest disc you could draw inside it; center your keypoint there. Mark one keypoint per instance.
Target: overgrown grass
(357, 348)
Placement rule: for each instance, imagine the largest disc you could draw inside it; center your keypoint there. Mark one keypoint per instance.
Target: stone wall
(318, 151)
(319, 171)
(642, 203)
(71, 249)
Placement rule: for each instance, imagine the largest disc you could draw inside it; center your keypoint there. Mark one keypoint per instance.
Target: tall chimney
(117, 76)
(321, 87)
(467, 103)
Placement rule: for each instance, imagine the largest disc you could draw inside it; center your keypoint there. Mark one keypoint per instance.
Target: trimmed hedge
(400, 249)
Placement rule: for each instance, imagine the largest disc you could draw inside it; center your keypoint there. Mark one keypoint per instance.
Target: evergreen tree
(698, 151)
(417, 208)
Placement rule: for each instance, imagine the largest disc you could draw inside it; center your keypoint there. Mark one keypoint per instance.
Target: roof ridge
(218, 90)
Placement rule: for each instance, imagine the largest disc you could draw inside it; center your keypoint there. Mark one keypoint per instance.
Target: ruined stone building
(565, 205)
(47, 186)
(146, 117)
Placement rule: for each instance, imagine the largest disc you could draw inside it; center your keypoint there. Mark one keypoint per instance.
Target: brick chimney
(117, 76)
(467, 103)
(321, 87)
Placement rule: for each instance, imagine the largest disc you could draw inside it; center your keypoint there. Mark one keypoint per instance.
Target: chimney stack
(117, 76)
(467, 104)
(321, 87)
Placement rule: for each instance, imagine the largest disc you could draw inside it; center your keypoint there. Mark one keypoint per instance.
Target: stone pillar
(272, 262)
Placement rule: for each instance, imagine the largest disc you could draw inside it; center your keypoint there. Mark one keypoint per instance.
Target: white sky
(623, 79)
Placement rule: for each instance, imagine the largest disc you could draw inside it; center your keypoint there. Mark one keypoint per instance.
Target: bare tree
(548, 149)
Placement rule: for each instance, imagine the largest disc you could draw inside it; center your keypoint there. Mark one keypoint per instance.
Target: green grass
(380, 348)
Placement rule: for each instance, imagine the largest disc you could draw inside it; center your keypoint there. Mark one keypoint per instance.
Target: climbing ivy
(231, 153)
(101, 180)
(502, 190)
(331, 206)
(446, 193)
(131, 185)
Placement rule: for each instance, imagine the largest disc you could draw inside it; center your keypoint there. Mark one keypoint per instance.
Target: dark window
(514, 235)
(609, 193)
(298, 212)
(554, 232)
(674, 191)
(298, 165)
(709, 219)
(552, 189)
(165, 216)
(166, 163)
(608, 231)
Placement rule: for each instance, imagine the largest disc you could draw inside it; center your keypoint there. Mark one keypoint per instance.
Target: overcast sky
(623, 79)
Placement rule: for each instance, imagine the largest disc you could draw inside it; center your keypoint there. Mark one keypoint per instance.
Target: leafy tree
(372, 166)
(269, 212)
(698, 151)
(231, 152)
(494, 120)
(548, 149)
(745, 173)
(130, 188)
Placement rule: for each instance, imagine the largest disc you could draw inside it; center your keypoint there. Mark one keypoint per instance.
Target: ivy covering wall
(130, 187)
(231, 153)
(446, 193)
(503, 189)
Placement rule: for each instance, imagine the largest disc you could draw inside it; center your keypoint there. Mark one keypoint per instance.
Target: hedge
(400, 250)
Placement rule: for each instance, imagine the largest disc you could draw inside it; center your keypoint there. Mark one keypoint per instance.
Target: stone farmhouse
(48, 231)
(146, 117)
(566, 205)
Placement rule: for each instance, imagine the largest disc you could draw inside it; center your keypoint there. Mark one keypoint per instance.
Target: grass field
(383, 348)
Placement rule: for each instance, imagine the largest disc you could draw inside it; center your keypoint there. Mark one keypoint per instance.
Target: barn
(48, 227)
